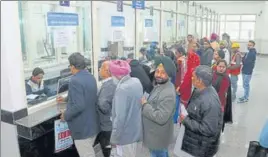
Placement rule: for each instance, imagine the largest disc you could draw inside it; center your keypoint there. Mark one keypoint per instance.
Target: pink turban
(213, 36)
(119, 68)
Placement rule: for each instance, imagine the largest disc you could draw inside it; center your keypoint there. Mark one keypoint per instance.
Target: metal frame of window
(240, 21)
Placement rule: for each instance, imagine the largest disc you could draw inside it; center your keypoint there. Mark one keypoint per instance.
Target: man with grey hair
(204, 120)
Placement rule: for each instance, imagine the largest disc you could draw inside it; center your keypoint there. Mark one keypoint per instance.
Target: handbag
(256, 150)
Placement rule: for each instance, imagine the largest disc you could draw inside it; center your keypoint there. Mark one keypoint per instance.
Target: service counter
(36, 131)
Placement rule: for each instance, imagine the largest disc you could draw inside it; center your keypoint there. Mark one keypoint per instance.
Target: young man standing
(247, 69)
(235, 68)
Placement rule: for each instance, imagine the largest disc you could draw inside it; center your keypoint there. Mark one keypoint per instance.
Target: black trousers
(104, 139)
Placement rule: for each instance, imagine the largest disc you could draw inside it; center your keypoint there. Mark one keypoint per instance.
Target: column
(261, 31)
(96, 36)
(13, 95)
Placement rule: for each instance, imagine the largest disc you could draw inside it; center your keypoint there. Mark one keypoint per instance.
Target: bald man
(105, 97)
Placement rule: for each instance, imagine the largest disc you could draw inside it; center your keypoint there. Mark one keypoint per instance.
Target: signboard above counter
(62, 19)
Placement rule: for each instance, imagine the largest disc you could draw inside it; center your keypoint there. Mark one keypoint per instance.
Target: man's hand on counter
(60, 99)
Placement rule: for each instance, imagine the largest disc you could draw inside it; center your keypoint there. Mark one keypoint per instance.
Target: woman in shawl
(221, 83)
(185, 88)
(218, 55)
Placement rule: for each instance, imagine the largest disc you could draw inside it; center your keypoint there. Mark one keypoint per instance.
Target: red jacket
(223, 88)
(193, 61)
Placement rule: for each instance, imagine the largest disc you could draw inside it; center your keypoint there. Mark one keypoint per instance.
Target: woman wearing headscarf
(222, 84)
(185, 88)
(218, 55)
(223, 46)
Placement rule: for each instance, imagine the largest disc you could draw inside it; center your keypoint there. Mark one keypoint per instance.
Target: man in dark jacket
(248, 65)
(204, 120)
(81, 111)
(138, 71)
(105, 100)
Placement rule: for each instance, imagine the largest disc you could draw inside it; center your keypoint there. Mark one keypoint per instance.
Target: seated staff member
(35, 85)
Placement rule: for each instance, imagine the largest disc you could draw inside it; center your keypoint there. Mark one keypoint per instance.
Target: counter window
(49, 34)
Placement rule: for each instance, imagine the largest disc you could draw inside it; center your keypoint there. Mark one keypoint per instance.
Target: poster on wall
(61, 37)
(148, 22)
(118, 28)
(63, 139)
(169, 23)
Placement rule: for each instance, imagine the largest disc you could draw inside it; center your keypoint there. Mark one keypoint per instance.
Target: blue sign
(120, 5)
(138, 4)
(117, 21)
(65, 3)
(169, 23)
(148, 23)
(62, 19)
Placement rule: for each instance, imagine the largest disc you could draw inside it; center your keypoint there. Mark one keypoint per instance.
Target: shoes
(252, 150)
(242, 100)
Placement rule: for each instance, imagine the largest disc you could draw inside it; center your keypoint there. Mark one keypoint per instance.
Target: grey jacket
(81, 111)
(126, 112)
(158, 117)
(105, 99)
(207, 57)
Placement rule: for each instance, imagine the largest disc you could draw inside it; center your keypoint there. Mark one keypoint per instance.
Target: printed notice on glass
(63, 139)
(61, 37)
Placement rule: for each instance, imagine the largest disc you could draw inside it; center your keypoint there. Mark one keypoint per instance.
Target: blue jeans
(159, 153)
(234, 80)
(246, 80)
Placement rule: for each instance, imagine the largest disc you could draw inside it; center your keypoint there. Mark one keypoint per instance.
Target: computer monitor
(63, 85)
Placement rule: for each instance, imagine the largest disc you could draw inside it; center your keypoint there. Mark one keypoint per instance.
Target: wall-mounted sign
(148, 23)
(117, 21)
(62, 19)
(119, 5)
(169, 23)
(65, 3)
(138, 4)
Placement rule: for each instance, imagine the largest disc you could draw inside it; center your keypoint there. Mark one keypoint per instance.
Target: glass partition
(50, 33)
(169, 27)
(198, 27)
(151, 25)
(182, 7)
(117, 30)
(181, 26)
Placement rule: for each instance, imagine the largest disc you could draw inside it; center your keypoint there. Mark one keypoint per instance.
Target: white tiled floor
(249, 118)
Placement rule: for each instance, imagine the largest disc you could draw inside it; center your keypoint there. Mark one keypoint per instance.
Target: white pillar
(261, 30)
(96, 36)
(13, 95)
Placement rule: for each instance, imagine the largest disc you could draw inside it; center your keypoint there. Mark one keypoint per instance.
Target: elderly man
(159, 110)
(204, 120)
(126, 110)
(105, 99)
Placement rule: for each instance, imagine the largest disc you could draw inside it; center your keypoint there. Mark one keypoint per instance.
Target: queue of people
(129, 108)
